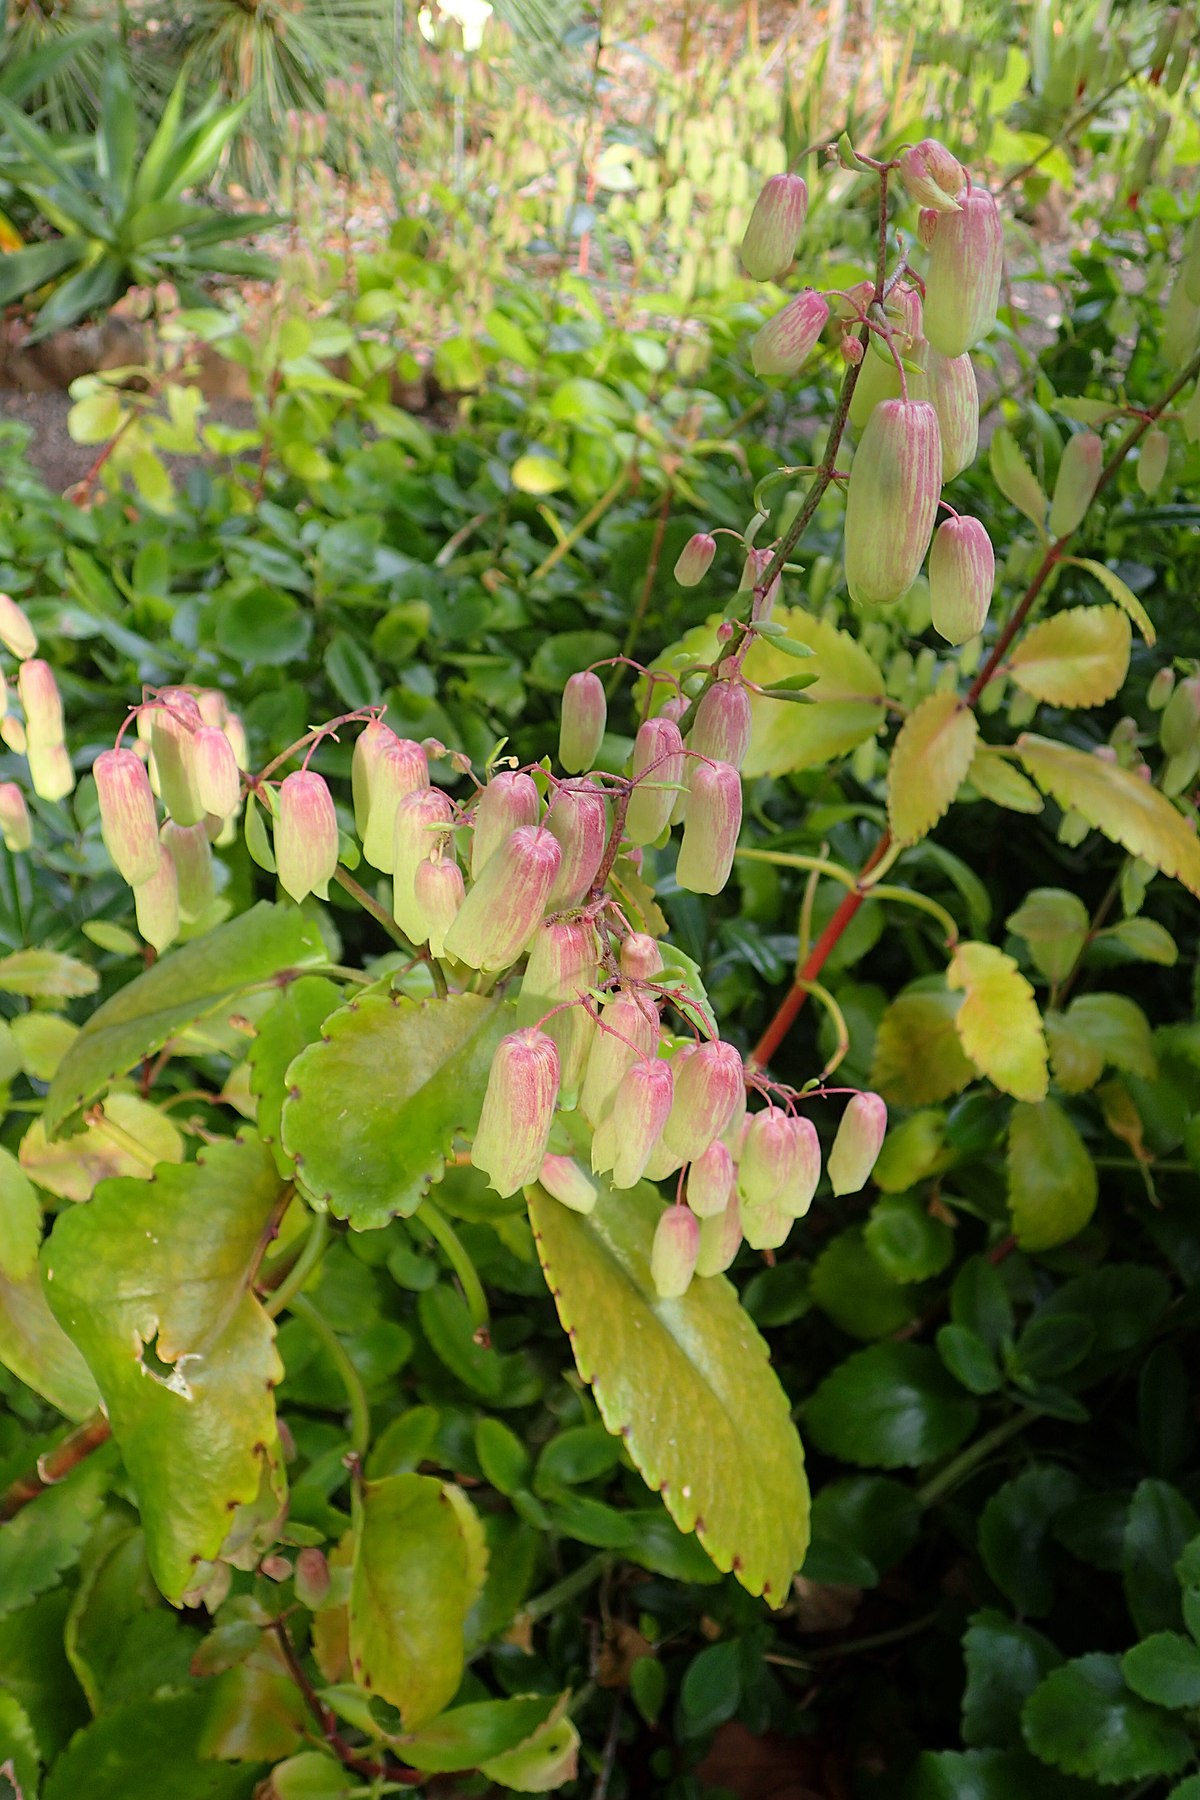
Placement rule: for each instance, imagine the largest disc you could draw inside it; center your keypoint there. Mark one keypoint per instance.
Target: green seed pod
(891, 502)
(1078, 473)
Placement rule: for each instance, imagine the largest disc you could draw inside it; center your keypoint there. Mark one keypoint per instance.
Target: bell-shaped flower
(509, 800)
(962, 574)
(858, 1143)
(128, 819)
(710, 1181)
(306, 835)
(639, 1112)
(14, 817)
(583, 718)
(438, 892)
(564, 963)
(387, 773)
(932, 176)
(565, 1181)
(419, 829)
(16, 633)
(218, 783)
(953, 392)
(966, 262)
(710, 829)
(673, 1252)
(721, 728)
(156, 903)
(174, 721)
(784, 344)
(518, 1111)
(507, 902)
(891, 500)
(658, 764)
(578, 820)
(628, 1029)
(708, 1084)
(720, 1238)
(695, 559)
(776, 223)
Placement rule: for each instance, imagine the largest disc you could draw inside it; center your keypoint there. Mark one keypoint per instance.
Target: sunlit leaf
(929, 764)
(1079, 657)
(1121, 805)
(998, 1023)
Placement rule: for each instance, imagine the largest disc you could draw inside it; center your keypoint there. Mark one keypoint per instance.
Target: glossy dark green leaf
(1005, 1663)
(152, 1281)
(466, 1736)
(856, 1292)
(1159, 1525)
(988, 1775)
(968, 1359)
(906, 1240)
(876, 1518)
(127, 1754)
(46, 1537)
(1164, 1668)
(293, 1022)
(35, 1670)
(711, 1690)
(1015, 1535)
(189, 984)
(1084, 1720)
(892, 1405)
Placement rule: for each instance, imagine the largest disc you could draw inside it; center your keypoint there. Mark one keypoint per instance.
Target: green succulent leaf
(1084, 1720)
(685, 1382)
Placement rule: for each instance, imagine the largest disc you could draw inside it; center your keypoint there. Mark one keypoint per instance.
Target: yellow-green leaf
(1076, 1063)
(1117, 1030)
(412, 1588)
(1080, 657)
(20, 1219)
(998, 1023)
(994, 778)
(1054, 923)
(1015, 479)
(918, 1058)
(1122, 594)
(47, 975)
(847, 698)
(687, 1383)
(929, 764)
(539, 475)
(1126, 809)
(1052, 1185)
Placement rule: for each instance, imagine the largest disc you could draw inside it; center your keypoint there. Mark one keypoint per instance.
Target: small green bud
(1153, 459)
(1160, 689)
(641, 958)
(1179, 726)
(695, 559)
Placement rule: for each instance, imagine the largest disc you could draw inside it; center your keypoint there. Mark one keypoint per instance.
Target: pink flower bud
(796, 1195)
(235, 731)
(769, 1157)
(564, 962)
(508, 801)
(584, 716)
(566, 1182)
(710, 831)
(1179, 727)
(891, 503)
(16, 633)
(720, 1238)
(189, 849)
(12, 734)
(639, 1112)
(217, 781)
(41, 701)
(518, 1111)
(14, 817)
(628, 1029)
(173, 724)
(695, 559)
(505, 907)
(312, 1578)
(962, 288)
(212, 707)
(1078, 472)
(438, 892)
(658, 756)
(721, 729)
(641, 958)
(387, 772)
(674, 1251)
(879, 379)
(735, 1130)
(858, 1143)
(953, 393)
(578, 819)
(369, 747)
(850, 350)
(306, 836)
(156, 903)
(707, 1088)
(931, 176)
(774, 229)
(710, 1181)
(419, 830)
(50, 773)
(1162, 685)
(128, 820)
(962, 574)
(784, 344)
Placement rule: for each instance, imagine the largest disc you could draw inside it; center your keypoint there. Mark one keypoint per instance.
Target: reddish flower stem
(56, 1465)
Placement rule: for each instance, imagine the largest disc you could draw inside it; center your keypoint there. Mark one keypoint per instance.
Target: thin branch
(55, 1465)
(327, 1724)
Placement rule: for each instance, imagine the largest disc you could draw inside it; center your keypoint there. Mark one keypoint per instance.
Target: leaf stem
(328, 1725)
(316, 1242)
(551, 1598)
(55, 1465)
(959, 1467)
(444, 1235)
(356, 1394)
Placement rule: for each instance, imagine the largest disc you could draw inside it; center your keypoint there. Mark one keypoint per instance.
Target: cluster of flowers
(915, 403)
(39, 736)
(515, 880)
